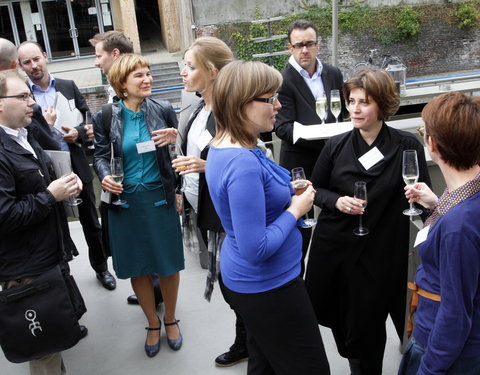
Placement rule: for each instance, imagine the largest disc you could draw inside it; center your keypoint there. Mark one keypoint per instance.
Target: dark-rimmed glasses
(270, 100)
(25, 96)
(421, 131)
(299, 46)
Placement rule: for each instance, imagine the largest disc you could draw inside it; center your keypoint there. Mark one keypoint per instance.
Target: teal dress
(145, 233)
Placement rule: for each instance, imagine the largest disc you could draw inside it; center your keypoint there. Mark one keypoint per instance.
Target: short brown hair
(111, 40)
(301, 25)
(452, 120)
(210, 53)
(5, 75)
(236, 85)
(379, 86)
(122, 67)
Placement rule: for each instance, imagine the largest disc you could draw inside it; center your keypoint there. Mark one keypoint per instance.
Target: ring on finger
(349, 209)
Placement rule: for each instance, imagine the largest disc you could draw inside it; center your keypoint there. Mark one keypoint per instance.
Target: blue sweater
(262, 248)
(450, 329)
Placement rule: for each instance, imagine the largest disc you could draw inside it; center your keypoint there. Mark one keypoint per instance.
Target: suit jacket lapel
(302, 87)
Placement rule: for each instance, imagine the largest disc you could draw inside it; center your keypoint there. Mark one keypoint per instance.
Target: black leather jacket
(158, 115)
(32, 223)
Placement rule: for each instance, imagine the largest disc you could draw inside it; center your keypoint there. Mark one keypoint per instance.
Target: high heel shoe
(152, 350)
(174, 344)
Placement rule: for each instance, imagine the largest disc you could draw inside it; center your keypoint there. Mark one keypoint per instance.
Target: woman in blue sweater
(253, 196)
(446, 337)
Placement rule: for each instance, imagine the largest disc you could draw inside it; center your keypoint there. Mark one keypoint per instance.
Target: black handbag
(40, 318)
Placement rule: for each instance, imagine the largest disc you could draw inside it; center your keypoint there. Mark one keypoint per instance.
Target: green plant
(408, 23)
(466, 15)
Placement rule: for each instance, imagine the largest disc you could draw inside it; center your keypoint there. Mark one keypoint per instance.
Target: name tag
(204, 140)
(421, 236)
(147, 146)
(71, 104)
(371, 158)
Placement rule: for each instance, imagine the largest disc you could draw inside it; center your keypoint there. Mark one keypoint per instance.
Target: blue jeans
(413, 355)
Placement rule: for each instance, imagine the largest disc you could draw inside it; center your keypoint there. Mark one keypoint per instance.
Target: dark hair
(452, 120)
(379, 86)
(111, 40)
(32, 42)
(301, 25)
(236, 85)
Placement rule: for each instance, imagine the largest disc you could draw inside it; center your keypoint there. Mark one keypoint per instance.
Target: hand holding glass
(117, 176)
(66, 169)
(300, 184)
(410, 176)
(321, 107)
(335, 104)
(360, 193)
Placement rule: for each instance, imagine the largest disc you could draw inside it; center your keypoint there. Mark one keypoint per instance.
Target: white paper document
(320, 131)
(67, 114)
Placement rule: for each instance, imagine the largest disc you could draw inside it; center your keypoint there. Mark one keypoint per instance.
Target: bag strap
(107, 117)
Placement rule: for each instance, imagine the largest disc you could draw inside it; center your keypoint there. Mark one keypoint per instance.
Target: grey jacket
(158, 115)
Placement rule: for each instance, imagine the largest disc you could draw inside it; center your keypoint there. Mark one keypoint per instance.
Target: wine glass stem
(411, 206)
(360, 225)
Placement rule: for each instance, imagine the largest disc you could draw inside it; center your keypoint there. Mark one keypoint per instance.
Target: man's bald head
(8, 54)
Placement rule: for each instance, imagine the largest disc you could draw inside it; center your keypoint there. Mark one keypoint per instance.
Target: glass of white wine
(410, 176)
(117, 176)
(360, 193)
(88, 121)
(66, 169)
(300, 184)
(321, 107)
(335, 105)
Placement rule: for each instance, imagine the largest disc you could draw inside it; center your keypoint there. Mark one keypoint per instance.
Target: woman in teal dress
(144, 233)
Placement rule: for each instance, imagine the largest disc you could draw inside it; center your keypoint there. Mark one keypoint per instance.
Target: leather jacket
(158, 115)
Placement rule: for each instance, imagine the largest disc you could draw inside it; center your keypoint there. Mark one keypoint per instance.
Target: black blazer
(207, 217)
(298, 104)
(79, 160)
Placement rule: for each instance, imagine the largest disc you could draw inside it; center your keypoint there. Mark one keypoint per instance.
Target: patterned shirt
(450, 199)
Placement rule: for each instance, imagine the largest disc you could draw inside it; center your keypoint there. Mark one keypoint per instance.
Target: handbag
(40, 318)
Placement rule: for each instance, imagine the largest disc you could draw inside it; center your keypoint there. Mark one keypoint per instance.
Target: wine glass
(321, 107)
(88, 121)
(410, 176)
(335, 105)
(117, 176)
(300, 184)
(175, 151)
(360, 193)
(66, 169)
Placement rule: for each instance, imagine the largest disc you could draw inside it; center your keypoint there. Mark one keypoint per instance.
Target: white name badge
(71, 104)
(204, 140)
(371, 158)
(421, 236)
(147, 146)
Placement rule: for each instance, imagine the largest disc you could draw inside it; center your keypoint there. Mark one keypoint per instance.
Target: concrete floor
(116, 336)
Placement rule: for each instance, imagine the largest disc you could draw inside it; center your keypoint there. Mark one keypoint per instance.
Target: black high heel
(152, 350)
(174, 344)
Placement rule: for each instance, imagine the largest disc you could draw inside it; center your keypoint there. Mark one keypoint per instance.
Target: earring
(125, 94)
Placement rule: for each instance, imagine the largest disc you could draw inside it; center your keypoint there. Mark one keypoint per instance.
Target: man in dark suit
(33, 60)
(305, 78)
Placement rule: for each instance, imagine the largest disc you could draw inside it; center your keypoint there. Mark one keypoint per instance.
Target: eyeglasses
(25, 96)
(421, 131)
(270, 100)
(299, 46)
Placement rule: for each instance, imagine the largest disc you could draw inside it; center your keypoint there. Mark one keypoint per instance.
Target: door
(69, 24)
(7, 29)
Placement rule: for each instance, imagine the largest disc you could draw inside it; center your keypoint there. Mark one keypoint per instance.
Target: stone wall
(438, 49)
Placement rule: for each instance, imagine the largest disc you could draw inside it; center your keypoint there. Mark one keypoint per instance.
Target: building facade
(64, 27)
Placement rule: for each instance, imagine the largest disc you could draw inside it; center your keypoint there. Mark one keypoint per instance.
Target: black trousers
(282, 331)
(92, 229)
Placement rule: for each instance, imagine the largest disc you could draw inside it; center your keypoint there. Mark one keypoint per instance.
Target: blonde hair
(236, 85)
(210, 53)
(122, 67)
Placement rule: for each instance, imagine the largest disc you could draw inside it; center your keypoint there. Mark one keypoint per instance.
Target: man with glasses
(305, 78)
(33, 60)
(31, 241)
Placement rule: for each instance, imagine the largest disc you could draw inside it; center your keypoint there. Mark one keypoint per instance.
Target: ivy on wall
(388, 25)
